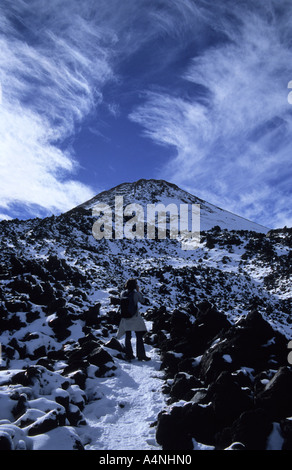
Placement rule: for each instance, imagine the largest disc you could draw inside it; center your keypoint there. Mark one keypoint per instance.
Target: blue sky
(99, 92)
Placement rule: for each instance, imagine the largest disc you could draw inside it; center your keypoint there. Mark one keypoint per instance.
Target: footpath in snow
(124, 406)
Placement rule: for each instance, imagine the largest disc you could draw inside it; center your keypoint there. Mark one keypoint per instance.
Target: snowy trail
(125, 406)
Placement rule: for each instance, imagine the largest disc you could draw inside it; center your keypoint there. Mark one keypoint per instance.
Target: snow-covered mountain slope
(61, 367)
(145, 192)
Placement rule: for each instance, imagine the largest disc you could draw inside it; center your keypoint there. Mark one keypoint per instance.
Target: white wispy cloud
(232, 141)
(53, 64)
(55, 58)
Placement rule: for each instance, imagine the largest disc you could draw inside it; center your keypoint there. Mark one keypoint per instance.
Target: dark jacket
(135, 323)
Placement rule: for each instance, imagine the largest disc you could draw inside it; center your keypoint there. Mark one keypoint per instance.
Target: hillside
(63, 380)
(159, 191)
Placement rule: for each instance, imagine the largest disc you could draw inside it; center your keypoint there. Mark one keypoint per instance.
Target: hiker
(133, 323)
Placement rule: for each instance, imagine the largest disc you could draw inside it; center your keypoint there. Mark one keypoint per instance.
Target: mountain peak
(153, 191)
(142, 190)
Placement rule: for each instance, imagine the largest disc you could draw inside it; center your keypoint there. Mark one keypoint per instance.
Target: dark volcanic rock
(182, 386)
(103, 360)
(46, 423)
(252, 429)
(5, 441)
(251, 343)
(176, 428)
(228, 399)
(229, 394)
(276, 396)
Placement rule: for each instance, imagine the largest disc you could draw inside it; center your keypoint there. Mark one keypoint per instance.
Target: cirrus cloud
(53, 64)
(56, 58)
(232, 140)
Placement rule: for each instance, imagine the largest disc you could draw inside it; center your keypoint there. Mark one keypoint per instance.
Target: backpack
(128, 305)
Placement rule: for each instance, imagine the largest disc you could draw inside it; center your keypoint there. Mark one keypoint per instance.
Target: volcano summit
(150, 192)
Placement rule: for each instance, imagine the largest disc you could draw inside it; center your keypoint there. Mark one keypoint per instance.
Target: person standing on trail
(131, 320)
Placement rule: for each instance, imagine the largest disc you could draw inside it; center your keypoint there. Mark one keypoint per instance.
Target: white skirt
(136, 323)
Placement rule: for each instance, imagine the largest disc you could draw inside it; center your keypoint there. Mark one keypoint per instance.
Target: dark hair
(131, 284)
